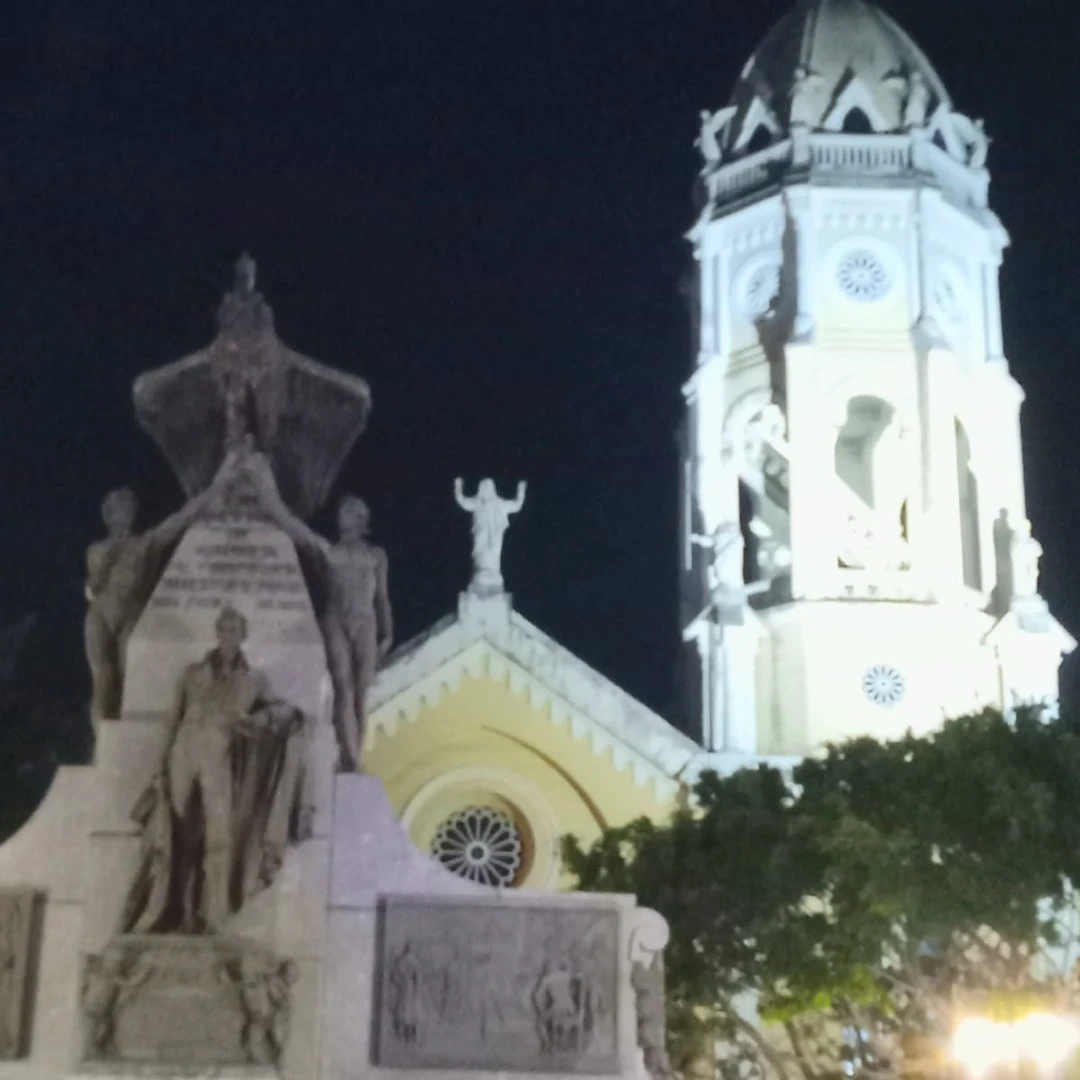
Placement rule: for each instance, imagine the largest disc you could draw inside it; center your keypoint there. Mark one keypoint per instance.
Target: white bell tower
(856, 555)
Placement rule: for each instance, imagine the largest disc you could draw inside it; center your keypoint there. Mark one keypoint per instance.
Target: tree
(859, 905)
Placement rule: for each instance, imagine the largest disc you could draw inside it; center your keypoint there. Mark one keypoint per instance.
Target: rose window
(883, 685)
(862, 276)
(480, 844)
(762, 289)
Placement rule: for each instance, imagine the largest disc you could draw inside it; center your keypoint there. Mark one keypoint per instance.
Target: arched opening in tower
(967, 487)
(857, 123)
(749, 513)
(761, 139)
(861, 463)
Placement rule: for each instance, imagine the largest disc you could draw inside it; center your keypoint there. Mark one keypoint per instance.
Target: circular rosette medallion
(862, 276)
(883, 684)
(480, 844)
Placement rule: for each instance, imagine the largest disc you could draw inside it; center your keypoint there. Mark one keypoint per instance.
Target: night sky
(479, 207)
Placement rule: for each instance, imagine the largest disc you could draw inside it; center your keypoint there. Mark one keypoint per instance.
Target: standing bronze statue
(228, 797)
(120, 574)
(356, 619)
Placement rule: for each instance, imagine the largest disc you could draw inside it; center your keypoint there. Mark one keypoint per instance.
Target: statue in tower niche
(1024, 555)
(490, 520)
(356, 618)
(228, 797)
(120, 574)
(726, 549)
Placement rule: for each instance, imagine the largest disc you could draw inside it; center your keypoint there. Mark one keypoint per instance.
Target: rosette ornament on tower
(248, 387)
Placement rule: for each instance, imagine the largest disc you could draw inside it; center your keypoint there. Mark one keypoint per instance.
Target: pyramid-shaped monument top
(247, 386)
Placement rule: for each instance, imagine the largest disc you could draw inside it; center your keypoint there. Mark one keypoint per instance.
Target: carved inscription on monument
(485, 986)
(16, 941)
(244, 567)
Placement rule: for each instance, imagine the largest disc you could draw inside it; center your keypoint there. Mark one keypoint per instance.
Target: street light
(1044, 1039)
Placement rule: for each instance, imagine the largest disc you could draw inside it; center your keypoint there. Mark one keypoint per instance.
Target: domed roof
(827, 58)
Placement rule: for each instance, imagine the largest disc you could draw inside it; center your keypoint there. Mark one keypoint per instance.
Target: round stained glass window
(761, 290)
(883, 685)
(862, 276)
(480, 844)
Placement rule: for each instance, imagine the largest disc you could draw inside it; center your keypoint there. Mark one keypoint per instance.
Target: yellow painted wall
(482, 744)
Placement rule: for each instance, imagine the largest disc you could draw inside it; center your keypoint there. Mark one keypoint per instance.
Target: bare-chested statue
(356, 619)
(120, 573)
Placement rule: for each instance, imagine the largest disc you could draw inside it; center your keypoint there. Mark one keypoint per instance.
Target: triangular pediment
(1030, 627)
(854, 94)
(488, 639)
(758, 115)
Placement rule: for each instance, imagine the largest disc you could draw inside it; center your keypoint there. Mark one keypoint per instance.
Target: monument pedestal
(372, 934)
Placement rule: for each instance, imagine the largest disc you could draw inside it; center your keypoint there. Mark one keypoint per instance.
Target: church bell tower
(856, 556)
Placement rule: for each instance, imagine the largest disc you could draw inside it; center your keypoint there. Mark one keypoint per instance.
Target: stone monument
(221, 890)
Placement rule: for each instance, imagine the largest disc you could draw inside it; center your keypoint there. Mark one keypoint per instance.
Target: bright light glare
(980, 1044)
(1047, 1041)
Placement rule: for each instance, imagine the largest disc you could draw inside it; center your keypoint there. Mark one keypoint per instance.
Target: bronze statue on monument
(228, 797)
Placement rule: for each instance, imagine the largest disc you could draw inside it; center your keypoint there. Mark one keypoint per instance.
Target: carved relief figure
(648, 983)
(120, 572)
(227, 798)
(405, 981)
(491, 518)
(265, 999)
(647, 941)
(563, 1004)
(357, 622)
(105, 980)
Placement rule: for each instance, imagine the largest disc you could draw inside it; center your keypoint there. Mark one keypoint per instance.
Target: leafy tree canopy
(864, 903)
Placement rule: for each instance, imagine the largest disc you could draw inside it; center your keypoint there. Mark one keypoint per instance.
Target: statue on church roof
(248, 386)
(491, 518)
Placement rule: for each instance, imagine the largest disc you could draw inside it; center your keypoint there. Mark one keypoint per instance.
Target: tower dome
(840, 68)
(829, 57)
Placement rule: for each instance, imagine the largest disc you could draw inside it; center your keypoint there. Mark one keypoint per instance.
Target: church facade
(856, 556)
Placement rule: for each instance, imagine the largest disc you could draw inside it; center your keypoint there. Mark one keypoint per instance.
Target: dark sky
(478, 206)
